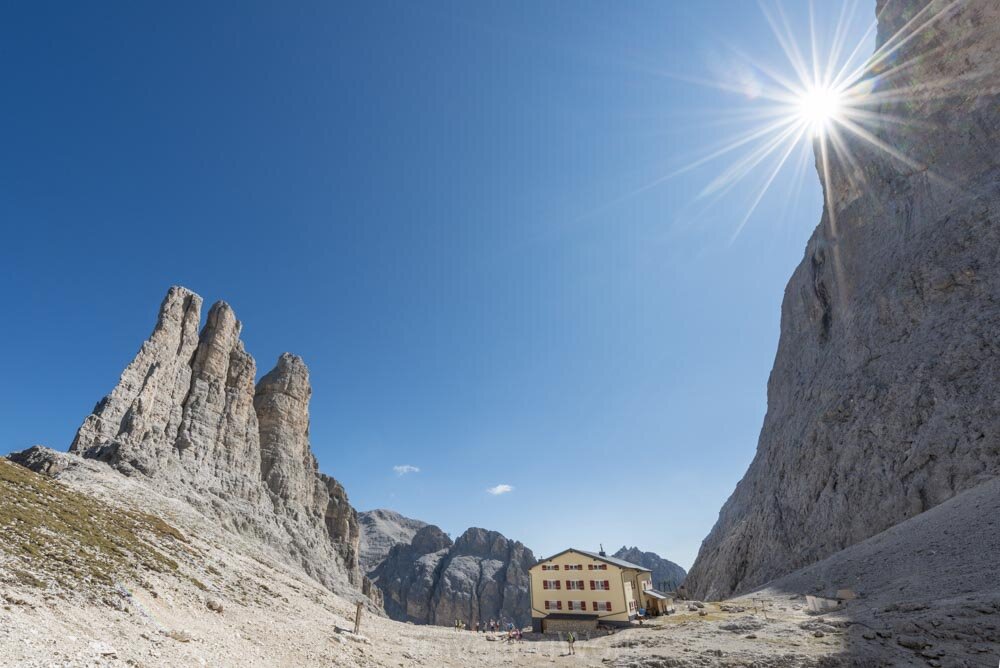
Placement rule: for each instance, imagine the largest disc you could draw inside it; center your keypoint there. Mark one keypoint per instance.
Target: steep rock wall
(481, 576)
(883, 401)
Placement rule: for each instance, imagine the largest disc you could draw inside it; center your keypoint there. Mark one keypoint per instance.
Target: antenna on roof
(602, 553)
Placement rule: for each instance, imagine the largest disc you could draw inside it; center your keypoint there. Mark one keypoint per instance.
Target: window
(553, 605)
(550, 567)
(600, 584)
(577, 605)
(597, 567)
(551, 584)
(574, 567)
(631, 605)
(602, 606)
(574, 584)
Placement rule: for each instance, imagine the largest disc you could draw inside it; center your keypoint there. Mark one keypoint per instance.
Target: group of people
(492, 626)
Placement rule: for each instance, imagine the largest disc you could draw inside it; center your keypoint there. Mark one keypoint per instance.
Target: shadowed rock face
(479, 577)
(187, 417)
(882, 402)
(667, 575)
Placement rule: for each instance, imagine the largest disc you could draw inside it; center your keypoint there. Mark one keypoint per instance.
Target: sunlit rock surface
(187, 419)
(884, 399)
(381, 529)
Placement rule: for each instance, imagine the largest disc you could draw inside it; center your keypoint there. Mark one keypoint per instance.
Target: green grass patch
(69, 537)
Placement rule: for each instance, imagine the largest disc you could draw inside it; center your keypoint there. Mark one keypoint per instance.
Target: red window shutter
(558, 605)
(592, 586)
(546, 605)
(558, 584)
(545, 584)
(607, 585)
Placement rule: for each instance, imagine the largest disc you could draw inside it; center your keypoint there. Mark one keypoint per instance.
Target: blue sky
(430, 202)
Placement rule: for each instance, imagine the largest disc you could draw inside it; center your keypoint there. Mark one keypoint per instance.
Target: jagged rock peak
(480, 576)
(430, 539)
(134, 425)
(187, 416)
(381, 529)
(667, 576)
(882, 400)
(281, 401)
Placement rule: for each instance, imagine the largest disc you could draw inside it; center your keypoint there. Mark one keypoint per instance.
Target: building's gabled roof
(655, 593)
(620, 563)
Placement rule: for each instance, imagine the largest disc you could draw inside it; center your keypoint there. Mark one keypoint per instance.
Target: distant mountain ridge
(381, 529)
(667, 576)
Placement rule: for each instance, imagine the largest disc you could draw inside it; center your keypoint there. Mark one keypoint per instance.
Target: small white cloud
(403, 469)
(500, 489)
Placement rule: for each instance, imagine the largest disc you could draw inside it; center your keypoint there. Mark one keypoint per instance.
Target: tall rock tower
(187, 417)
(884, 399)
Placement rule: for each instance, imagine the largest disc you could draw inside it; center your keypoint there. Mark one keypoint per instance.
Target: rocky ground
(166, 586)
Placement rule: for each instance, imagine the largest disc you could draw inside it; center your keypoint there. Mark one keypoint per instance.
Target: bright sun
(818, 107)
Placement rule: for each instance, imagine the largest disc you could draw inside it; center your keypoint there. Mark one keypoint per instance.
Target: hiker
(476, 630)
(456, 623)
(570, 638)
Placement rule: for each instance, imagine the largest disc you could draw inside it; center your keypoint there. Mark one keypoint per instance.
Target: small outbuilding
(656, 602)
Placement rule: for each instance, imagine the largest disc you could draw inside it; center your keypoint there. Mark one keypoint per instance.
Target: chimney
(602, 552)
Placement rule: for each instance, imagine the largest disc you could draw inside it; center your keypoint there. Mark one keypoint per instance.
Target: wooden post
(357, 618)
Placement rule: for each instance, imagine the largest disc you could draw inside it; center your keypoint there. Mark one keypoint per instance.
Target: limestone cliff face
(883, 401)
(187, 417)
(381, 529)
(481, 576)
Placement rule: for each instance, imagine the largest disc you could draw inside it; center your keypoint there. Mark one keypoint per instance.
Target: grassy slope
(51, 535)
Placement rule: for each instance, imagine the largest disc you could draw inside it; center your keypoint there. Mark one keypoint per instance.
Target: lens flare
(819, 107)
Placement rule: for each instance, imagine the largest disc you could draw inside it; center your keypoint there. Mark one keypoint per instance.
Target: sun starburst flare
(828, 102)
(819, 107)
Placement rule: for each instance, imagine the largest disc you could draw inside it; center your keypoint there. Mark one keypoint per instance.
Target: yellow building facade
(580, 589)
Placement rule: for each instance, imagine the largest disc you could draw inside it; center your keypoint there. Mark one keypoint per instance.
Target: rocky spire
(187, 416)
(297, 489)
(134, 427)
(288, 467)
